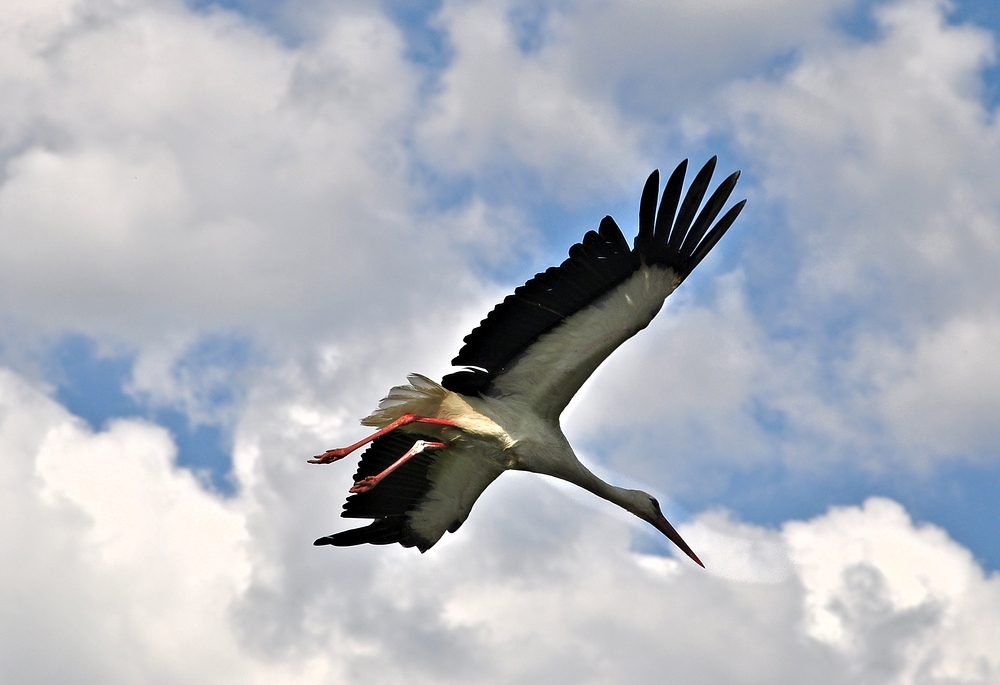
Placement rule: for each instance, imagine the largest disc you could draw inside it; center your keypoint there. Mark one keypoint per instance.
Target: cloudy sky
(227, 228)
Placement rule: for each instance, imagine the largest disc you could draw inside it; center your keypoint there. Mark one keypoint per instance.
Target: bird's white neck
(580, 475)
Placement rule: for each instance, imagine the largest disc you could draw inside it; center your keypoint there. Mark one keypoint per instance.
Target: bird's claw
(330, 456)
(364, 485)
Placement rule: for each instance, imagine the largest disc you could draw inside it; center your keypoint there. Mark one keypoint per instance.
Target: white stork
(439, 445)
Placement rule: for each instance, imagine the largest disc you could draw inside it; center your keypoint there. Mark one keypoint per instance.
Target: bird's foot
(365, 484)
(331, 456)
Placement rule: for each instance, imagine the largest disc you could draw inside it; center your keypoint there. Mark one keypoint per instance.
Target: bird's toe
(364, 485)
(329, 456)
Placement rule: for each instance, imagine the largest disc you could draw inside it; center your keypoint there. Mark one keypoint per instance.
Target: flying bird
(439, 445)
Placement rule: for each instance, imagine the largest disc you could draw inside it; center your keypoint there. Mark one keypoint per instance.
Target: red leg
(333, 455)
(366, 484)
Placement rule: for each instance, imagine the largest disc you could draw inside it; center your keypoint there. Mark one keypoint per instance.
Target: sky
(228, 228)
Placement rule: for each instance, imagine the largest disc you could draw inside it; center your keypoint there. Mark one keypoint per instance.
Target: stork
(439, 445)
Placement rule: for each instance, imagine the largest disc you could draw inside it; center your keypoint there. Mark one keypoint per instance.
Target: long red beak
(663, 525)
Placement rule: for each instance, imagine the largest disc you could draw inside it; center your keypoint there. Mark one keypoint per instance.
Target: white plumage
(440, 445)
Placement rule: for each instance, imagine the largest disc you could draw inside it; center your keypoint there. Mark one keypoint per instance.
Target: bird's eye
(655, 503)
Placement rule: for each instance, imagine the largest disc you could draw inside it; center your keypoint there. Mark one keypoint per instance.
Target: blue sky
(228, 228)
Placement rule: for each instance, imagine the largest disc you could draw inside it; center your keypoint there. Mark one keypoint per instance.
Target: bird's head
(647, 508)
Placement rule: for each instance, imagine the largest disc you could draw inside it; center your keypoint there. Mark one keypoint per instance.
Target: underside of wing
(579, 312)
(550, 371)
(594, 266)
(389, 502)
(417, 503)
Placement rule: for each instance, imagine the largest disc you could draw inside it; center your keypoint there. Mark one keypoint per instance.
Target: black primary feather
(595, 266)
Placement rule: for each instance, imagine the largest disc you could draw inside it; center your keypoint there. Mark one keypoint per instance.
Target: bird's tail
(421, 397)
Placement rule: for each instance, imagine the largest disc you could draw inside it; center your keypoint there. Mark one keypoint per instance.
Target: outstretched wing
(543, 341)
(416, 504)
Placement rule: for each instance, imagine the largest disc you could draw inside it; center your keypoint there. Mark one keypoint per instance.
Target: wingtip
(647, 212)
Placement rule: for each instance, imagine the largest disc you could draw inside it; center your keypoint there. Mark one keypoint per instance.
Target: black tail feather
(384, 531)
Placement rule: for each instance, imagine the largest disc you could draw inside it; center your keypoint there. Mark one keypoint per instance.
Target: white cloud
(663, 59)
(882, 157)
(895, 601)
(575, 94)
(116, 564)
(939, 396)
(166, 171)
(135, 572)
(499, 107)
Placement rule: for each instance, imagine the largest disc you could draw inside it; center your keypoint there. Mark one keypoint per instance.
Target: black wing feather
(398, 491)
(384, 531)
(647, 213)
(716, 234)
(389, 502)
(708, 214)
(595, 266)
(688, 208)
(668, 207)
